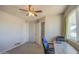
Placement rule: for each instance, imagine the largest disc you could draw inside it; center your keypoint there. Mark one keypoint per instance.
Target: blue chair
(47, 50)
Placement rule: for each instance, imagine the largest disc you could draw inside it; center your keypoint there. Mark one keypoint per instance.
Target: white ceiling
(47, 10)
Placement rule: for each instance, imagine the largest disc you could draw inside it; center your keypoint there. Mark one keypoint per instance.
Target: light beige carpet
(27, 48)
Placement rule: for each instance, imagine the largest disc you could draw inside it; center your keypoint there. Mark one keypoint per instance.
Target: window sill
(74, 44)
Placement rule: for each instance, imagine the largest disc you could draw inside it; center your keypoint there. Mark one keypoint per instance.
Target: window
(71, 26)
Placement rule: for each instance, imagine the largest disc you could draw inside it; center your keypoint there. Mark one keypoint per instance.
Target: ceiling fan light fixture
(31, 14)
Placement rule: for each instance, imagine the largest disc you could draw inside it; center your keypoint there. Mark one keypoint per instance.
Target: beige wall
(31, 31)
(77, 21)
(38, 33)
(52, 26)
(13, 30)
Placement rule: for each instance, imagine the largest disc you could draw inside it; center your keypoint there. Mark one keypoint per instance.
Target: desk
(64, 48)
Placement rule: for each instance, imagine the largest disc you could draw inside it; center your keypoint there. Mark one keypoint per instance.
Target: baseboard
(6, 51)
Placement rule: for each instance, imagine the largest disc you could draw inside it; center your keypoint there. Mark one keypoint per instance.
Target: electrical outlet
(17, 43)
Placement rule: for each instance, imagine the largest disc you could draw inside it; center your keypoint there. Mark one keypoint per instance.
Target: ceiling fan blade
(23, 10)
(27, 14)
(29, 7)
(35, 14)
(38, 11)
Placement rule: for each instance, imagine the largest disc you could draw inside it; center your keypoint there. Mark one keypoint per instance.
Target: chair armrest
(51, 45)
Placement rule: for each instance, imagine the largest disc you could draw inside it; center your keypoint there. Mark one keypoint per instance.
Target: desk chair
(47, 49)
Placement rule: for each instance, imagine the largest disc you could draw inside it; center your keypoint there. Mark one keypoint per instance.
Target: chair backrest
(45, 43)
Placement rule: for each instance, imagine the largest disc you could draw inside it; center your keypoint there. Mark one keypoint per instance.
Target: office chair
(47, 50)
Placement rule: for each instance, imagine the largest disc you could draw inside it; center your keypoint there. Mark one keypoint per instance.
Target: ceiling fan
(30, 11)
